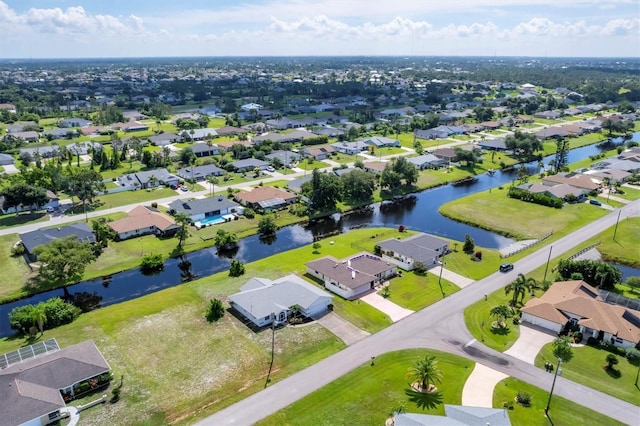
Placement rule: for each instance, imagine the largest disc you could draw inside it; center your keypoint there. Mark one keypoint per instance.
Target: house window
(282, 316)
(54, 415)
(267, 318)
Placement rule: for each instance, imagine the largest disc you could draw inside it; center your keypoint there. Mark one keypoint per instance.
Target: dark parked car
(595, 202)
(506, 267)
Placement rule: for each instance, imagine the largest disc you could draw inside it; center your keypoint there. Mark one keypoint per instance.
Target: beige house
(579, 303)
(143, 220)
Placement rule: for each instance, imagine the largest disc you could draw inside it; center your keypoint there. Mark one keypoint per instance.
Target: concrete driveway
(531, 340)
(478, 389)
(395, 312)
(342, 328)
(448, 275)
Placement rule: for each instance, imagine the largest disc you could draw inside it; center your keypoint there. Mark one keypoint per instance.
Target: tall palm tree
(519, 288)
(501, 313)
(426, 372)
(213, 181)
(39, 317)
(183, 233)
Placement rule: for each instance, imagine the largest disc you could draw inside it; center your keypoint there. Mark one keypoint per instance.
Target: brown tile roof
(582, 300)
(229, 144)
(578, 181)
(263, 193)
(377, 166)
(142, 217)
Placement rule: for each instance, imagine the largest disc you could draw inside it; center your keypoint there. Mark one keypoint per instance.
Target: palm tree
(213, 181)
(39, 317)
(225, 240)
(426, 373)
(501, 313)
(183, 233)
(519, 288)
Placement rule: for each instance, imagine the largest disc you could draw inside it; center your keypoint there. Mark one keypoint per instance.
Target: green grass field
(586, 367)
(367, 394)
(495, 211)
(562, 412)
(415, 292)
(478, 314)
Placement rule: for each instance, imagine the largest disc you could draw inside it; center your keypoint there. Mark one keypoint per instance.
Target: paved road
(440, 326)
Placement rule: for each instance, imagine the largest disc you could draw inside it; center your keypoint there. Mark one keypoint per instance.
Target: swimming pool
(212, 220)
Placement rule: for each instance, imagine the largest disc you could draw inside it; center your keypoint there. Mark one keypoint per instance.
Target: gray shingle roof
(420, 247)
(200, 171)
(352, 272)
(30, 389)
(32, 239)
(204, 205)
(261, 297)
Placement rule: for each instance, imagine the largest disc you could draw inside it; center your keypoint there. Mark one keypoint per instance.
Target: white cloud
(297, 27)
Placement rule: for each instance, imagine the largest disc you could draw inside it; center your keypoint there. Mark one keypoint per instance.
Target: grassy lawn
(9, 220)
(125, 198)
(384, 151)
(305, 165)
(343, 158)
(588, 139)
(15, 271)
(546, 121)
(495, 211)
(562, 412)
(277, 183)
(624, 248)
(628, 193)
(127, 254)
(366, 395)
(162, 345)
(414, 291)
(586, 367)
(476, 314)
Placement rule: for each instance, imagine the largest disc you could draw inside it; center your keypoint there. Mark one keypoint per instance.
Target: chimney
(353, 275)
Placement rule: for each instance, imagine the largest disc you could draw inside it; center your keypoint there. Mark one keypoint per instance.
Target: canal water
(417, 213)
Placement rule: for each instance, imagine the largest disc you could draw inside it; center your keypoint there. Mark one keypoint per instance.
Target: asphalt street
(440, 326)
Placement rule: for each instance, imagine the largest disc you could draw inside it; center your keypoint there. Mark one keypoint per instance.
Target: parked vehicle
(595, 202)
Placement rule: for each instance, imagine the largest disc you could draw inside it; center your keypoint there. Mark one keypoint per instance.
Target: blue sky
(107, 28)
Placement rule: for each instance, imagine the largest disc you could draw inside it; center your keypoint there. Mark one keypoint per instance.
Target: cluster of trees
(63, 261)
(23, 194)
(595, 273)
(397, 171)
(524, 145)
(189, 124)
(537, 198)
(29, 319)
(620, 126)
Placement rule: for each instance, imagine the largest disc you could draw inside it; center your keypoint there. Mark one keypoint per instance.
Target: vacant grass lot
(562, 412)
(628, 193)
(586, 367)
(367, 394)
(174, 363)
(15, 271)
(494, 211)
(9, 220)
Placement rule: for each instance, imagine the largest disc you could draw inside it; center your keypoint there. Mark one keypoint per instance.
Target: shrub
(592, 341)
(523, 398)
(479, 255)
(151, 263)
(401, 228)
(542, 199)
(249, 213)
(633, 355)
(215, 310)
(611, 361)
(17, 250)
(236, 268)
(57, 311)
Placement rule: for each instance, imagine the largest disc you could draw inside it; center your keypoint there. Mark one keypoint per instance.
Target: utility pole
(616, 228)
(440, 278)
(555, 376)
(546, 268)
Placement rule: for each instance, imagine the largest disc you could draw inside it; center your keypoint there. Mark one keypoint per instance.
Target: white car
(271, 169)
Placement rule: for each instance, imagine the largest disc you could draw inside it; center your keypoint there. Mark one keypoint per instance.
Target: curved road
(440, 326)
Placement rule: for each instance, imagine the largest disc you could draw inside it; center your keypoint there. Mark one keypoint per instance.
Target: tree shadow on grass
(426, 401)
(613, 373)
(503, 331)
